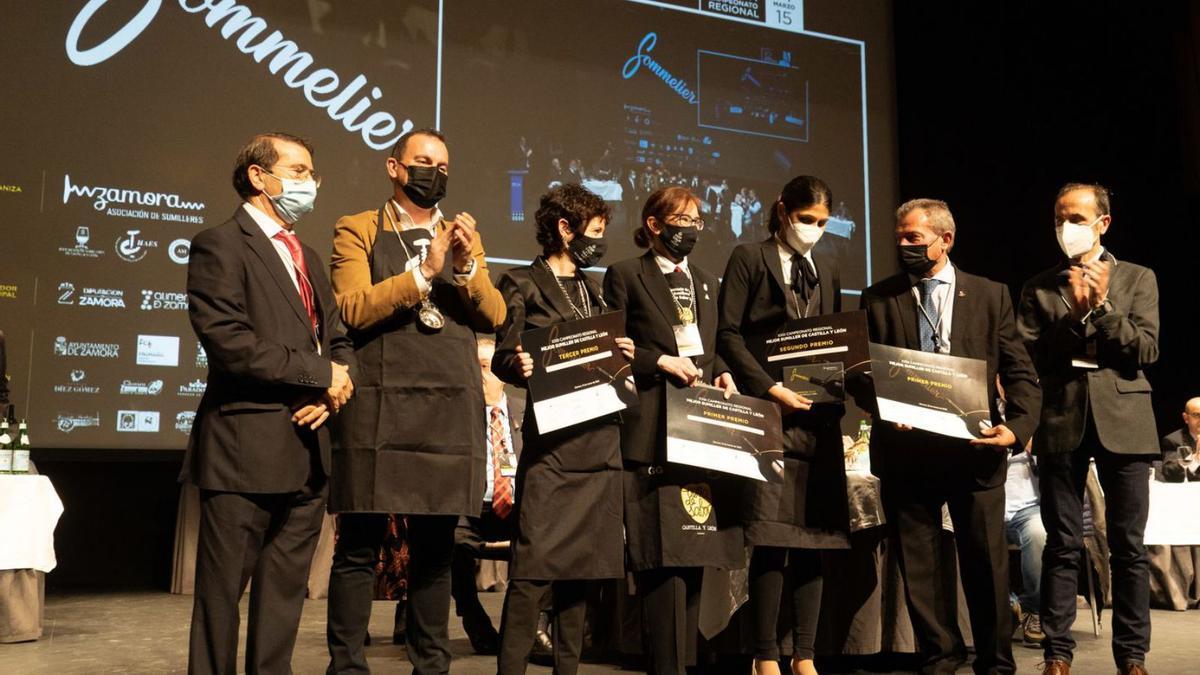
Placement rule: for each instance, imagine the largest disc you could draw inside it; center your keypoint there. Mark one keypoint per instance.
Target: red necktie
(502, 495)
(306, 292)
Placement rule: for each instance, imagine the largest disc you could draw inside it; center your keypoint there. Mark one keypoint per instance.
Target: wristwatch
(1101, 311)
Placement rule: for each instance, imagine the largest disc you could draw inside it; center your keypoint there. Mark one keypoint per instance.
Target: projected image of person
(414, 287)
(279, 364)
(670, 309)
(765, 285)
(568, 508)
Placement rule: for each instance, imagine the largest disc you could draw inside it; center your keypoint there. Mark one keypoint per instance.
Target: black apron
(411, 440)
(810, 501)
(676, 515)
(569, 515)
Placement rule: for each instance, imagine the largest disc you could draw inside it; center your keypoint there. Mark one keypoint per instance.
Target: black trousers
(1125, 480)
(978, 517)
(470, 539)
(768, 565)
(352, 589)
(671, 606)
(267, 538)
(518, 625)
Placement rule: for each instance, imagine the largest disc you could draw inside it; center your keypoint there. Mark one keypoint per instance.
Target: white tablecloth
(29, 511)
(1174, 514)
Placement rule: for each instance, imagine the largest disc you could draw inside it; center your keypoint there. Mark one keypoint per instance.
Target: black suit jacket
(1126, 341)
(982, 327)
(753, 302)
(1171, 443)
(639, 287)
(516, 417)
(262, 360)
(533, 301)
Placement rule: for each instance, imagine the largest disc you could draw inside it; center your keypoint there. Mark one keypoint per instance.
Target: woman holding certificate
(568, 490)
(678, 519)
(766, 285)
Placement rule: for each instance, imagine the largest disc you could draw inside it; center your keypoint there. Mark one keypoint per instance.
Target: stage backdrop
(122, 119)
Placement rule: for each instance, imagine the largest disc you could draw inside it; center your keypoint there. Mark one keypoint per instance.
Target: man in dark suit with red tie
(934, 306)
(279, 366)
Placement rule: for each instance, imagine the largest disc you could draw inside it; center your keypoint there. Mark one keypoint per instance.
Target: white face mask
(1075, 239)
(803, 236)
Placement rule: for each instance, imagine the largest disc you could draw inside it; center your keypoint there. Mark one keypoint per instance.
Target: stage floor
(147, 633)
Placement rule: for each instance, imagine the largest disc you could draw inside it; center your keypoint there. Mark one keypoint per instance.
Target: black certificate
(814, 356)
(579, 373)
(944, 394)
(741, 436)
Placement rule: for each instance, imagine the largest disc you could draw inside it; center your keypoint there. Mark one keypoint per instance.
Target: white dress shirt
(943, 300)
(666, 265)
(270, 228)
(785, 257)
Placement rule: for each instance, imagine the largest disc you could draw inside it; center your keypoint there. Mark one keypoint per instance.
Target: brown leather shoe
(1056, 667)
(1133, 668)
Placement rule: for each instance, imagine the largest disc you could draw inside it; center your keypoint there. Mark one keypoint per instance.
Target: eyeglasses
(297, 173)
(687, 221)
(1193, 415)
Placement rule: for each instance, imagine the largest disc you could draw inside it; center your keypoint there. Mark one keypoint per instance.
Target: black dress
(568, 489)
(675, 515)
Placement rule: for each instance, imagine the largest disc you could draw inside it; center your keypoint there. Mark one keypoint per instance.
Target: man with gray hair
(935, 307)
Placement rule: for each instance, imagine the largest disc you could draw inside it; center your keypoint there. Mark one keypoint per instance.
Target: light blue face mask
(296, 199)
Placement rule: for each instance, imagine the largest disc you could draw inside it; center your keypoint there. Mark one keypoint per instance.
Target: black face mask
(678, 241)
(587, 251)
(914, 258)
(426, 185)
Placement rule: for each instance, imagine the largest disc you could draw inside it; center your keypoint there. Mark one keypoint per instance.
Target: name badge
(1087, 363)
(687, 340)
(508, 464)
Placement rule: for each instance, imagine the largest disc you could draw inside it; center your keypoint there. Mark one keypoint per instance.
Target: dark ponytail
(799, 193)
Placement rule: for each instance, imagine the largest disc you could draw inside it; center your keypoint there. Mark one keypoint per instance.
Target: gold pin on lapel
(962, 294)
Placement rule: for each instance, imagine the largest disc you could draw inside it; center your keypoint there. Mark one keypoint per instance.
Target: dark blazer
(639, 287)
(516, 418)
(262, 360)
(532, 293)
(1171, 442)
(1126, 341)
(982, 327)
(754, 299)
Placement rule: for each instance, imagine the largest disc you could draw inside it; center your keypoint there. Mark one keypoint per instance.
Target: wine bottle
(20, 458)
(6, 448)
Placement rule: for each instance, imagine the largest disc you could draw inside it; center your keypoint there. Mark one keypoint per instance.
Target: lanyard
(937, 327)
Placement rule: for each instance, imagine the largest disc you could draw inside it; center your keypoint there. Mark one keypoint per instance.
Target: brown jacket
(363, 304)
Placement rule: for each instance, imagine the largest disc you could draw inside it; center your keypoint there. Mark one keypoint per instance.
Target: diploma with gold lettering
(944, 394)
(814, 356)
(579, 373)
(741, 436)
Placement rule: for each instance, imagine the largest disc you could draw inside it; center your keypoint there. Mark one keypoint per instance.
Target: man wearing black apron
(413, 288)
